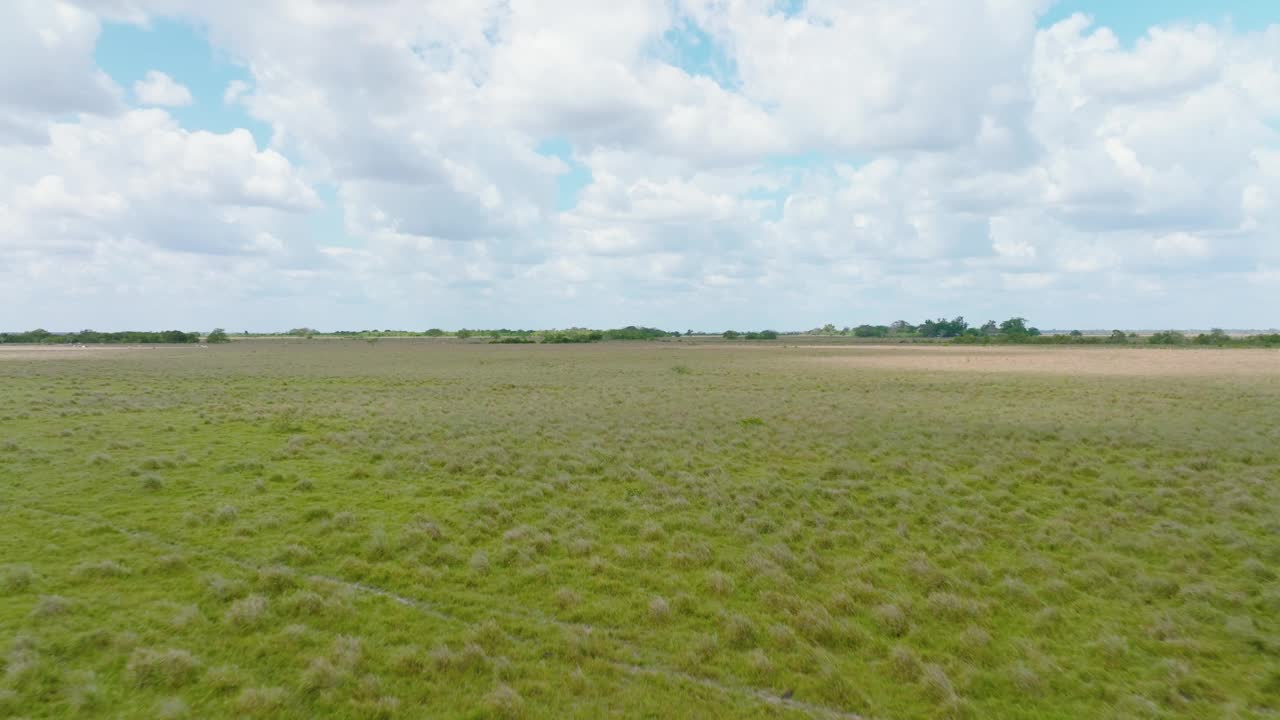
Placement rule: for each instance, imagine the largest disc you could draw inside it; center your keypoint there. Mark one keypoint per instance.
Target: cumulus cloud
(46, 49)
(157, 88)
(839, 161)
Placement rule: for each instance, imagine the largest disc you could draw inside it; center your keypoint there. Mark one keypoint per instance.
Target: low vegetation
(441, 529)
(91, 337)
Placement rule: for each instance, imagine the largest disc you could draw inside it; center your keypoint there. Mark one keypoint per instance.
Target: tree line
(93, 337)
(1017, 330)
(940, 328)
(955, 330)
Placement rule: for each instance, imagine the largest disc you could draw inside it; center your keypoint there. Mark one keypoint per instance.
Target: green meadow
(432, 528)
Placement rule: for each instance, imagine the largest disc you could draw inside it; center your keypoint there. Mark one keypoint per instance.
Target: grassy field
(295, 529)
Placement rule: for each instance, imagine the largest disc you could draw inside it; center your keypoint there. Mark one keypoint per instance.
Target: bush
(561, 337)
(1168, 337)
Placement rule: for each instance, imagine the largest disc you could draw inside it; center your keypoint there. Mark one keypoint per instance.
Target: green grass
(417, 529)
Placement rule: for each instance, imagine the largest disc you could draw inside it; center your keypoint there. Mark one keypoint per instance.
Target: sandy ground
(1056, 360)
(65, 352)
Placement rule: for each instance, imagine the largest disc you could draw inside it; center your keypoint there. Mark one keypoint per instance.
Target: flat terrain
(1070, 361)
(301, 529)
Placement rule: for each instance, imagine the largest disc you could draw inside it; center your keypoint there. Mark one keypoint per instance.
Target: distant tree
(1168, 337)
(943, 327)
(1016, 329)
(731, 335)
(1014, 326)
(1216, 336)
(1076, 333)
(217, 335)
(435, 332)
(990, 328)
(463, 334)
(829, 329)
(1117, 337)
(902, 327)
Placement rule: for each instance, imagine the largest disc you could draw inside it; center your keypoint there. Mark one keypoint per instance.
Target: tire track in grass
(647, 668)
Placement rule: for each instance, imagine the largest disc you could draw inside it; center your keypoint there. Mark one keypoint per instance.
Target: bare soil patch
(1152, 362)
(63, 352)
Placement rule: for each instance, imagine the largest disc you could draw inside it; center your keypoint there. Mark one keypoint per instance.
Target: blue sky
(1131, 19)
(651, 162)
(181, 49)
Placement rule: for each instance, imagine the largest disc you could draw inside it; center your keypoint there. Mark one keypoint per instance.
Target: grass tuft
(504, 702)
(101, 569)
(246, 613)
(162, 668)
(51, 606)
(16, 578)
(264, 701)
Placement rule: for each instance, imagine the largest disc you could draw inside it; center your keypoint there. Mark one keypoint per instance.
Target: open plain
(299, 529)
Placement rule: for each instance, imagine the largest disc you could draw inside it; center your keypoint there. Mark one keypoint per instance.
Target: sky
(340, 164)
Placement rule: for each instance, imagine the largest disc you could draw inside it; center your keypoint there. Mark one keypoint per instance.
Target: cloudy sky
(344, 164)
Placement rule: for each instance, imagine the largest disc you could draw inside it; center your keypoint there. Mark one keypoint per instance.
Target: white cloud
(46, 50)
(158, 88)
(878, 159)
